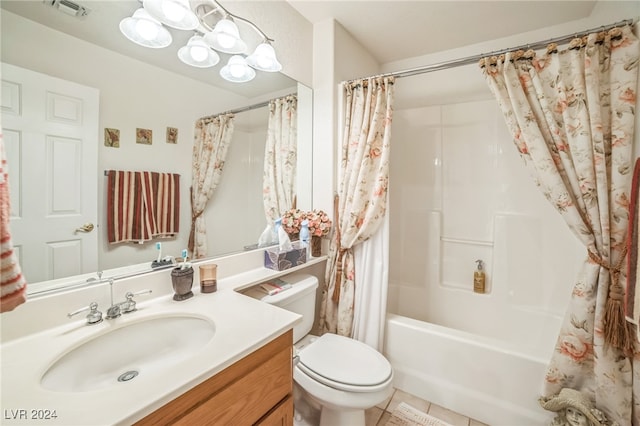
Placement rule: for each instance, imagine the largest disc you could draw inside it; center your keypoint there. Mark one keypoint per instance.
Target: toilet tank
(300, 298)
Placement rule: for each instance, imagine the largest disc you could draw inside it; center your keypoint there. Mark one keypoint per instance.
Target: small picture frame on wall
(172, 135)
(112, 137)
(144, 136)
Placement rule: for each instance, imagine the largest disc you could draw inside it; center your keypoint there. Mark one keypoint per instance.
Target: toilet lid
(345, 363)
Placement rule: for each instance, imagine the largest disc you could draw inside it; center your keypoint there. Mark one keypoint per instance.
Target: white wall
(337, 57)
(132, 94)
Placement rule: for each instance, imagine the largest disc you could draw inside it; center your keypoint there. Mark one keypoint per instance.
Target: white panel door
(50, 129)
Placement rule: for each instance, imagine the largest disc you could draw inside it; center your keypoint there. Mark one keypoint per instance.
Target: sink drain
(125, 377)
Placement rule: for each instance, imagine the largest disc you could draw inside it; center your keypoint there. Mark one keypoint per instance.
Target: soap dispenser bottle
(479, 278)
(304, 236)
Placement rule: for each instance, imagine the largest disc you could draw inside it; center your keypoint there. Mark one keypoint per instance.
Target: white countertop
(242, 325)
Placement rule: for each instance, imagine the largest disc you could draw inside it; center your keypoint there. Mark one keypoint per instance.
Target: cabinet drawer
(246, 400)
(281, 415)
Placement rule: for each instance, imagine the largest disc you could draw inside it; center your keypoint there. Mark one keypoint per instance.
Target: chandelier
(214, 29)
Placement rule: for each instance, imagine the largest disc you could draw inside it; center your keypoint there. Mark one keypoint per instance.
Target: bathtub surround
(212, 138)
(571, 115)
(361, 202)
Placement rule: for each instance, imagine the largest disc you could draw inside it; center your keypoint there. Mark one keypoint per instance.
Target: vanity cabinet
(255, 390)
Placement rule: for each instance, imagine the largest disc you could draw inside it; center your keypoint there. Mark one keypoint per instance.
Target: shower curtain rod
(474, 59)
(247, 108)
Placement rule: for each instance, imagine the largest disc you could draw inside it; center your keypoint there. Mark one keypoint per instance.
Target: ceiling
(390, 30)
(393, 29)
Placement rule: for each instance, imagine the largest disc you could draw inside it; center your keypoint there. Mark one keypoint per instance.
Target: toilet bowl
(342, 376)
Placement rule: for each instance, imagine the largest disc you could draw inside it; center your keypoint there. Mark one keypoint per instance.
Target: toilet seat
(345, 364)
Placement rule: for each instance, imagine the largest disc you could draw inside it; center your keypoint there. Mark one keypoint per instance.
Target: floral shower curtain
(212, 138)
(571, 114)
(362, 196)
(280, 157)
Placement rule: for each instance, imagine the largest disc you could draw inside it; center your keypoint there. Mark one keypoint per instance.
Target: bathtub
(483, 378)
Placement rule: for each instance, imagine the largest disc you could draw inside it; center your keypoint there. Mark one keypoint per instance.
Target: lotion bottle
(479, 278)
(304, 237)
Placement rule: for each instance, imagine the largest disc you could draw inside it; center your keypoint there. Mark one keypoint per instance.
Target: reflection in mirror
(134, 95)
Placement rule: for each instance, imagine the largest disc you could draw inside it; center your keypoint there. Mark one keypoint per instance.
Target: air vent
(69, 7)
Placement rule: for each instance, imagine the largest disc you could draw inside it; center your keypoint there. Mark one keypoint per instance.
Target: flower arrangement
(319, 223)
(292, 219)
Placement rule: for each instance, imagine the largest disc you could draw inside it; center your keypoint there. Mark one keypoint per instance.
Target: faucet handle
(129, 305)
(93, 317)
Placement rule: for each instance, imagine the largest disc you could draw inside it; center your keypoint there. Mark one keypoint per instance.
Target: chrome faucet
(115, 310)
(93, 317)
(129, 305)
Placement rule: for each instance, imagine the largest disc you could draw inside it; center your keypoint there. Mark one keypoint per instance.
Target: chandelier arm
(202, 13)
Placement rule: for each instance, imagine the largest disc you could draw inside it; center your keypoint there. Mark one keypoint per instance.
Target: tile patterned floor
(378, 415)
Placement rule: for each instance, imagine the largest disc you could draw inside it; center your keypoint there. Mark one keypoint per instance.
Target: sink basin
(126, 353)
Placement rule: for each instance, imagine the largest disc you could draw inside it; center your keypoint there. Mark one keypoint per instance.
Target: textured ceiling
(393, 30)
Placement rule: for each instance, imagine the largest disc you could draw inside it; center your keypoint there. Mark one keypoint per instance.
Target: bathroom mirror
(134, 94)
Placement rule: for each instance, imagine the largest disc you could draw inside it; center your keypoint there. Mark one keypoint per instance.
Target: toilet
(342, 376)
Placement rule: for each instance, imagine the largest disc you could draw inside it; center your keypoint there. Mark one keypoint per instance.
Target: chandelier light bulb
(143, 29)
(225, 37)
(147, 29)
(228, 29)
(199, 53)
(264, 58)
(173, 11)
(264, 62)
(237, 70)
(226, 40)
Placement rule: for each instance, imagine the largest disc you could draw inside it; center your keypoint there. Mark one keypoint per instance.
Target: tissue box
(281, 260)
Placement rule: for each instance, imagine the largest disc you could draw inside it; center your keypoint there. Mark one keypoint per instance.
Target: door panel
(50, 128)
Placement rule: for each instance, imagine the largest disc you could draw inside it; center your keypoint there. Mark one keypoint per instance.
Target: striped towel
(13, 286)
(142, 205)
(632, 304)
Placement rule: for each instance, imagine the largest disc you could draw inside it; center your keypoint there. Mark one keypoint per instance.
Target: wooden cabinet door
(242, 394)
(281, 415)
